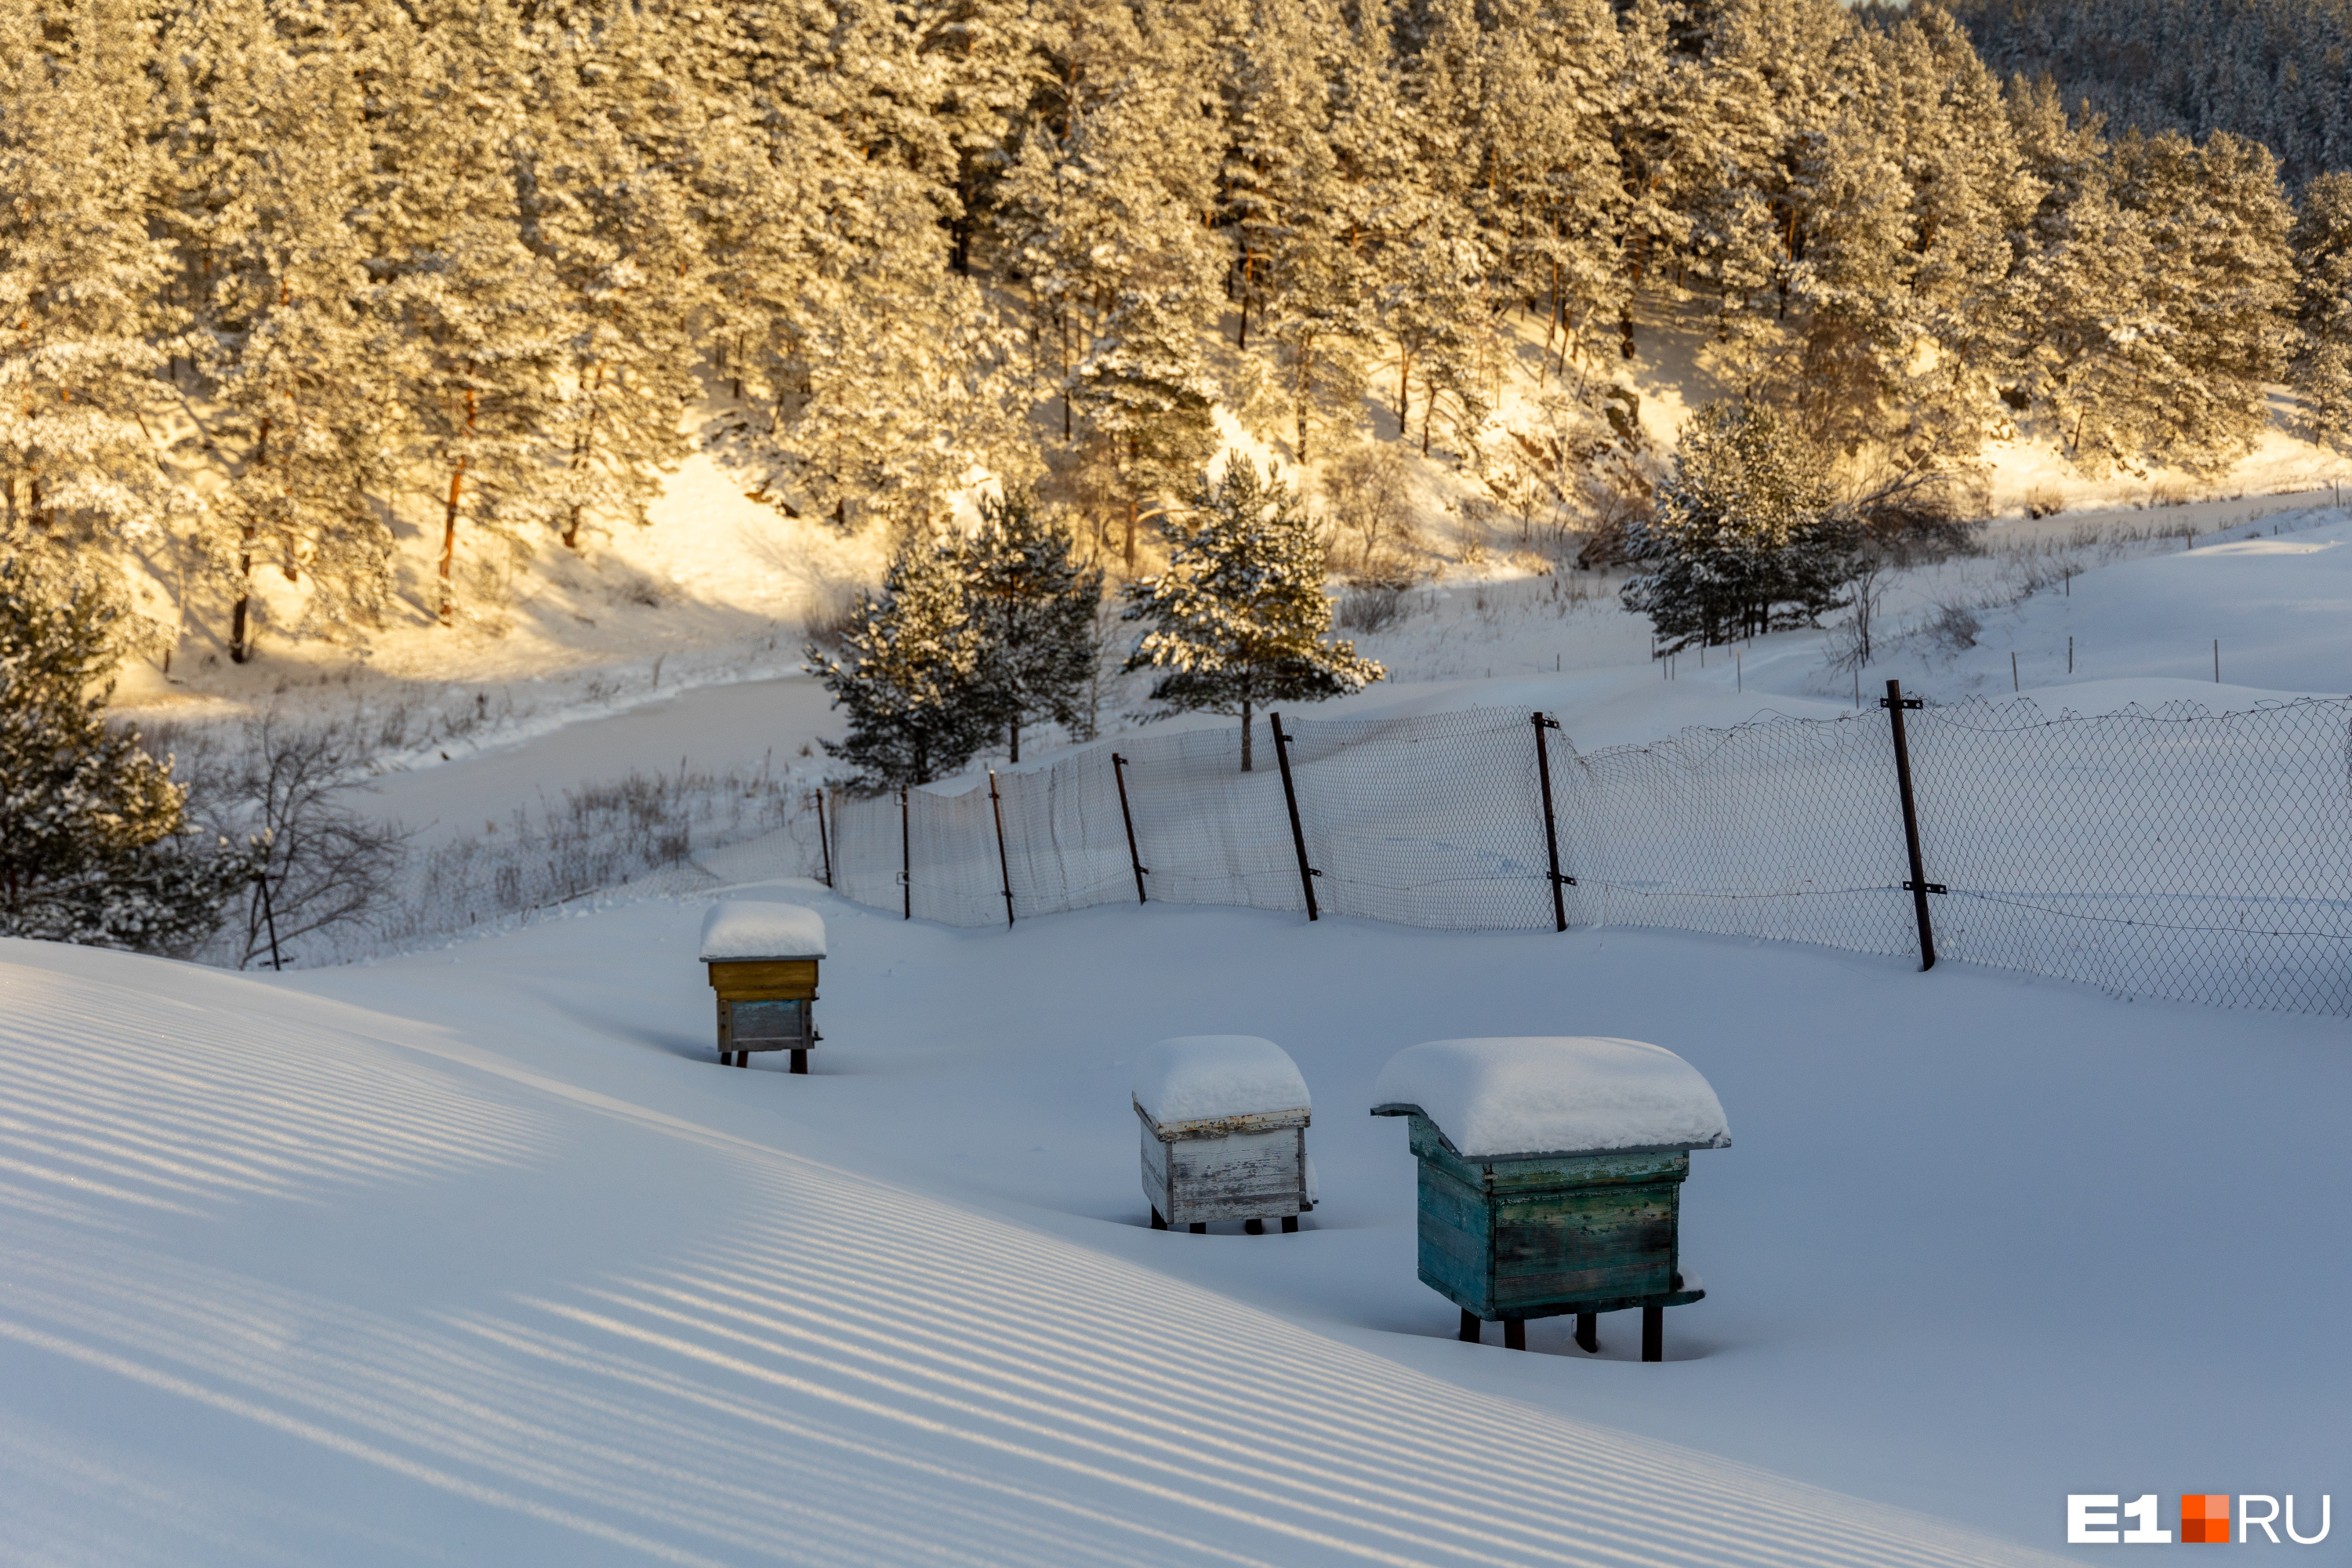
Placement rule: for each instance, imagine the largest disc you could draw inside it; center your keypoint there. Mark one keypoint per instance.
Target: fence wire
(2175, 854)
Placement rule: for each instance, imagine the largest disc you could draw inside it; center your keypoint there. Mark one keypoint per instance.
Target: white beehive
(1224, 1131)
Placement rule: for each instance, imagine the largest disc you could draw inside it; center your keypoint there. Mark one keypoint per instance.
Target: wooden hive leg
(1291, 1225)
(1157, 1221)
(1199, 1227)
(742, 1058)
(1588, 1332)
(800, 1062)
(1470, 1327)
(1653, 1333)
(1515, 1333)
(1254, 1225)
(727, 1059)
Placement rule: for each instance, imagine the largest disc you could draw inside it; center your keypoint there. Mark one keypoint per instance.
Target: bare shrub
(1951, 629)
(2043, 501)
(1365, 496)
(1850, 644)
(829, 620)
(327, 870)
(1369, 605)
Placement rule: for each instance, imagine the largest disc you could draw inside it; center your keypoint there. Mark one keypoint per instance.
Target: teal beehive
(1550, 1176)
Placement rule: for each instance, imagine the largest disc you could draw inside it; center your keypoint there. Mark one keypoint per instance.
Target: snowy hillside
(480, 1256)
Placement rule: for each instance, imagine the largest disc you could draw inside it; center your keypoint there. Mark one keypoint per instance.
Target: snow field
(479, 1253)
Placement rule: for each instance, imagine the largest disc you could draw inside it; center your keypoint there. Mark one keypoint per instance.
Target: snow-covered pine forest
(325, 316)
(2276, 70)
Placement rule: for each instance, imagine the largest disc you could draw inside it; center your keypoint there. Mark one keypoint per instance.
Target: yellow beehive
(762, 959)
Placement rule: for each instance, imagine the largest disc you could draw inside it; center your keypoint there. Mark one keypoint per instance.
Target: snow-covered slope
(478, 1257)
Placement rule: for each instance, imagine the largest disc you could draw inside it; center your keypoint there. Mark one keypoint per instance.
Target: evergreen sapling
(1239, 618)
(910, 674)
(1034, 607)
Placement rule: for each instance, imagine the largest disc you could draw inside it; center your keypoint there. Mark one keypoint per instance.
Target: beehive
(763, 961)
(1225, 1122)
(1550, 1176)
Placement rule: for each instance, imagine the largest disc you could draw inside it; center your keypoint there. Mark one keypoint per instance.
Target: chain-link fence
(2175, 854)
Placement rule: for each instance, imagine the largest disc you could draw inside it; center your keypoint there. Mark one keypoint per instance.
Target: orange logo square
(2205, 1516)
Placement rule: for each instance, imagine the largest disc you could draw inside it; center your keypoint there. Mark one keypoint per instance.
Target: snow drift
(294, 1280)
(1544, 1095)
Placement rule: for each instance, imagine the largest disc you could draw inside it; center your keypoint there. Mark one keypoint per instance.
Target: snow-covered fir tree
(2323, 260)
(94, 847)
(1743, 540)
(1240, 620)
(296, 343)
(1034, 606)
(909, 676)
(82, 303)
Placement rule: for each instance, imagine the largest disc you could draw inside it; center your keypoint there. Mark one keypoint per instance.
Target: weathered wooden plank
(1557, 1233)
(1456, 1255)
(741, 980)
(1222, 1126)
(1239, 1175)
(1155, 1175)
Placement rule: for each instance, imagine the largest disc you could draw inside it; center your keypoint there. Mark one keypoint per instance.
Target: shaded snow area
(761, 928)
(1201, 1077)
(480, 1256)
(1550, 1095)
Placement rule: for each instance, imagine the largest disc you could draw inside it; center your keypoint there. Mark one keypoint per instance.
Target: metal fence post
(905, 859)
(1895, 702)
(1118, 772)
(1307, 874)
(1551, 828)
(270, 917)
(1003, 866)
(824, 843)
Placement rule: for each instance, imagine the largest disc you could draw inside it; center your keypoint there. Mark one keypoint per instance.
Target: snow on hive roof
(1553, 1094)
(751, 928)
(1198, 1078)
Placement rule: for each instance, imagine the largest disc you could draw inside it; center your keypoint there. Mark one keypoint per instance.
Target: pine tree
(1743, 540)
(1239, 620)
(615, 233)
(1103, 214)
(2089, 351)
(93, 840)
(485, 314)
(80, 280)
(2322, 259)
(2217, 218)
(299, 350)
(910, 677)
(1034, 606)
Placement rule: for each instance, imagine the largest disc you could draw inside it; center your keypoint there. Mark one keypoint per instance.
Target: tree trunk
(571, 529)
(240, 650)
(1130, 535)
(449, 542)
(1306, 384)
(1245, 735)
(449, 522)
(1404, 391)
(1016, 741)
